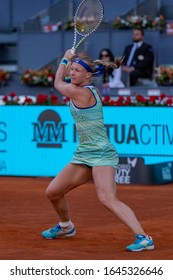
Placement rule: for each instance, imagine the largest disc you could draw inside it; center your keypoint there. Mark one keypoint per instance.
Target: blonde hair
(114, 65)
(92, 63)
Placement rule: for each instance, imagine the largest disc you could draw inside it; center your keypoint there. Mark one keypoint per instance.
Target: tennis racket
(87, 19)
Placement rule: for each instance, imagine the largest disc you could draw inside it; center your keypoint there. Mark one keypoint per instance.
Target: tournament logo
(49, 131)
(125, 170)
(3, 136)
(3, 150)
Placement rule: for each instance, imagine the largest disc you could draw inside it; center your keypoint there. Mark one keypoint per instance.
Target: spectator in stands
(111, 77)
(138, 59)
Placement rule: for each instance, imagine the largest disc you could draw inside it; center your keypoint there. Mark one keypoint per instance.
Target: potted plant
(164, 75)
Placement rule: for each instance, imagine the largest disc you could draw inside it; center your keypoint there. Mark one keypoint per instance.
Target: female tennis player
(95, 158)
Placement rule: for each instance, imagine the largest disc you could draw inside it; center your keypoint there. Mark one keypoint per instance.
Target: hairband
(84, 65)
(99, 70)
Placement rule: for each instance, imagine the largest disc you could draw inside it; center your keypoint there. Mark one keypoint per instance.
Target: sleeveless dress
(94, 147)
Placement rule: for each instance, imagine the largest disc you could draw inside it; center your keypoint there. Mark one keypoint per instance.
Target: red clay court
(26, 212)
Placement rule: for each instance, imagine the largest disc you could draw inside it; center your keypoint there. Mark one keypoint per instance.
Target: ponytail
(114, 65)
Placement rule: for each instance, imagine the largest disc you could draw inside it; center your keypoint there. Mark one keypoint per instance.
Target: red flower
(117, 103)
(141, 99)
(5, 98)
(54, 97)
(112, 103)
(128, 101)
(121, 99)
(4, 76)
(51, 75)
(12, 94)
(169, 101)
(66, 100)
(153, 99)
(44, 77)
(41, 98)
(162, 96)
(28, 100)
(106, 98)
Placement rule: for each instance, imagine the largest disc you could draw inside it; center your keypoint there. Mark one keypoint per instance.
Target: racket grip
(73, 50)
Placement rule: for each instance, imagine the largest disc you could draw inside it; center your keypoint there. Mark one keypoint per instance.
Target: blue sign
(35, 140)
(41, 140)
(145, 132)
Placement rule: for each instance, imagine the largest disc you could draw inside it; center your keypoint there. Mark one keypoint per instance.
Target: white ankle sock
(66, 224)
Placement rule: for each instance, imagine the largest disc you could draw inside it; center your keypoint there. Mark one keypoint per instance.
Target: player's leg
(72, 176)
(104, 179)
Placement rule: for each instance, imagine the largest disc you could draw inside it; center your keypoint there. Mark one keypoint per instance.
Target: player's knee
(50, 193)
(105, 200)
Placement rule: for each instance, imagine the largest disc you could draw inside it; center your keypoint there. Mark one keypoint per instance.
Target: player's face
(78, 74)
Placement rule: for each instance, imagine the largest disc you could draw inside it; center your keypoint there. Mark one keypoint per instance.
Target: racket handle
(73, 50)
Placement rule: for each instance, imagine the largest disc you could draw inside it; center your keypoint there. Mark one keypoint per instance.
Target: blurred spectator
(138, 59)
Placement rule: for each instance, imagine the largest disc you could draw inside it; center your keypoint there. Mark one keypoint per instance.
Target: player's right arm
(74, 91)
(65, 89)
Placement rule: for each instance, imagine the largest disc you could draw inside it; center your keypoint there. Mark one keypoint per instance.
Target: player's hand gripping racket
(87, 19)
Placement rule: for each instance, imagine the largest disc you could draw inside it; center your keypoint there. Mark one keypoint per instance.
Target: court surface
(26, 212)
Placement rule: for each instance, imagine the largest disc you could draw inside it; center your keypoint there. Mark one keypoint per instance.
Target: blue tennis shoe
(57, 232)
(141, 243)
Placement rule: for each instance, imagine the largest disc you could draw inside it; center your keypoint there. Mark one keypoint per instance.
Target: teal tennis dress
(94, 148)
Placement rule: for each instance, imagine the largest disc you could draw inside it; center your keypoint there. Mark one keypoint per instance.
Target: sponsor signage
(141, 132)
(134, 171)
(40, 140)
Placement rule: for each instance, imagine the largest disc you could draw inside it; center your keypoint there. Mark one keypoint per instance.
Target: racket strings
(85, 28)
(88, 17)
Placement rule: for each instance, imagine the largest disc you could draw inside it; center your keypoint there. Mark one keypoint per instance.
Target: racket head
(88, 17)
